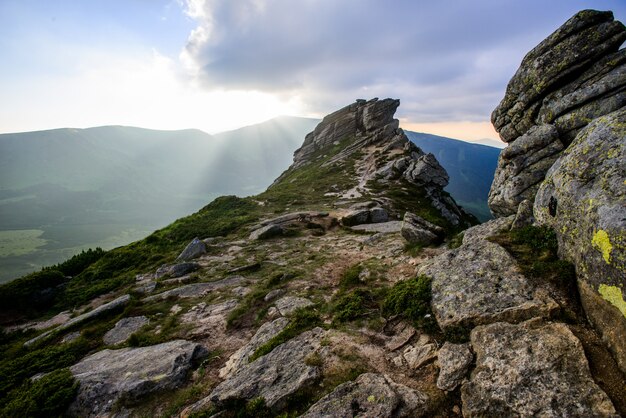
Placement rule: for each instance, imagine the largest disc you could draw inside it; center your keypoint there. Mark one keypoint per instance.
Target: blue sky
(220, 64)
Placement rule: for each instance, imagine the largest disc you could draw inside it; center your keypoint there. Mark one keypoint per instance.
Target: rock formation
(563, 116)
(575, 75)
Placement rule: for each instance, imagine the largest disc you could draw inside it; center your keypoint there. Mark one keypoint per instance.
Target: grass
(410, 299)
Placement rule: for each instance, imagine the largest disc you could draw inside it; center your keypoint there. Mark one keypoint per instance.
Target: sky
(217, 65)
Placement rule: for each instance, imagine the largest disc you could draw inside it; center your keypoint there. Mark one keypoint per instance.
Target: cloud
(446, 60)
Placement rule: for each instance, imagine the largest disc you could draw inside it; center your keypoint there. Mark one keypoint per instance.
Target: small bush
(537, 237)
(456, 241)
(47, 397)
(353, 305)
(410, 299)
(351, 277)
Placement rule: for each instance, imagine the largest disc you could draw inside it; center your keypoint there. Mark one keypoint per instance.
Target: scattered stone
(378, 215)
(208, 319)
(356, 217)
(454, 362)
(531, 369)
(265, 232)
(400, 339)
(71, 337)
(177, 270)
(123, 329)
(524, 216)
(381, 228)
(129, 374)
(419, 354)
(275, 376)
(194, 249)
(371, 395)
(265, 333)
(289, 304)
(241, 291)
(290, 217)
(114, 304)
(480, 283)
(248, 267)
(197, 289)
(273, 294)
(145, 288)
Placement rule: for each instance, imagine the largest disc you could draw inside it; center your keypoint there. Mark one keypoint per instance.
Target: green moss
(602, 242)
(351, 277)
(410, 299)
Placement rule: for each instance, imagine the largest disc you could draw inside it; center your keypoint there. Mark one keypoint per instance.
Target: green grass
(410, 299)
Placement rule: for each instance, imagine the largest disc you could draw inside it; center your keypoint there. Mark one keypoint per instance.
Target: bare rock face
(584, 200)
(274, 376)
(370, 395)
(480, 283)
(575, 75)
(194, 249)
(128, 374)
(123, 329)
(531, 369)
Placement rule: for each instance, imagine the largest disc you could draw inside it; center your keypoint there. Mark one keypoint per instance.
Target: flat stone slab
(123, 329)
(381, 227)
(289, 304)
(531, 369)
(370, 395)
(275, 376)
(197, 289)
(480, 283)
(128, 374)
(114, 304)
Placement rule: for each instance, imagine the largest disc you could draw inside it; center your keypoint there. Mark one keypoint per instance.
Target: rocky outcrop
(417, 230)
(197, 289)
(289, 304)
(107, 307)
(176, 270)
(454, 362)
(481, 283)
(274, 376)
(575, 75)
(126, 375)
(370, 395)
(584, 200)
(194, 249)
(531, 369)
(123, 329)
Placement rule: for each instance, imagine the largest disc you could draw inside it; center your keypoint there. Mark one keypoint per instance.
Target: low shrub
(410, 299)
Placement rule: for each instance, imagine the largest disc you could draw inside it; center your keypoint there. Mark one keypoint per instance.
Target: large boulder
(124, 376)
(275, 376)
(481, 283)
(575, 75)
(194, 249)
(417, 230)
(454, 362)
(584, 200)
(531, 369)
(370, 395)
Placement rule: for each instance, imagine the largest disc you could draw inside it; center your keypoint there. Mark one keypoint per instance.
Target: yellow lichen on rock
(602, 242)
(613, 295)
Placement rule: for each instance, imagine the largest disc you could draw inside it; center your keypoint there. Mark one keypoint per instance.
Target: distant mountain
(490, 143)
(470, 167)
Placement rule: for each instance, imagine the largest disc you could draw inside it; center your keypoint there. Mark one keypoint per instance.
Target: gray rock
(290, 217)
(72, 336)
(274, 376)
(531, 369)
(454, 362)
(265, 232)
(356, 217)
(480, 283)
(176, 270)
(418, 355)
(383, 227)
(197, 289)
(123, 329)
(273, 294)
(427, 171)
(378, 215)
(583, 199)
(417, 230)
(289, 304)
(370, 395)
(240, 358)
(194, 249)
(524, 216)
(114, 304)
(129, 374)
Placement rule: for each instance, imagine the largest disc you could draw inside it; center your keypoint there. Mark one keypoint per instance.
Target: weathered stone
(417, 230)
(265, 333)
(531, 369)
(420, 354)
(290, 217)
(584, 200)
(273, 294)
(177, 270)
(454, 361)
(114, 304)
(378, 215)
(208, 319)
(521, 167)
(289, 304)
(480, 283)
(72, 336)
(197, 289)
(370, 395)
(265, 232)
(524, 216)
(383, 227)
(194, 249)
(127, 375)
(427, 171)
(356, 217)
(123, 329)
(274, 376)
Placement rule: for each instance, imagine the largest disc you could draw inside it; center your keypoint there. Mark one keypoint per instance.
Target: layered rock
(126, 375)
(574, 76)
(367, 132)
(123, 329)
(584, 200)
(531, 369)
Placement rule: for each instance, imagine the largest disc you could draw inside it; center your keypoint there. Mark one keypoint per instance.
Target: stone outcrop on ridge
(575, 75)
